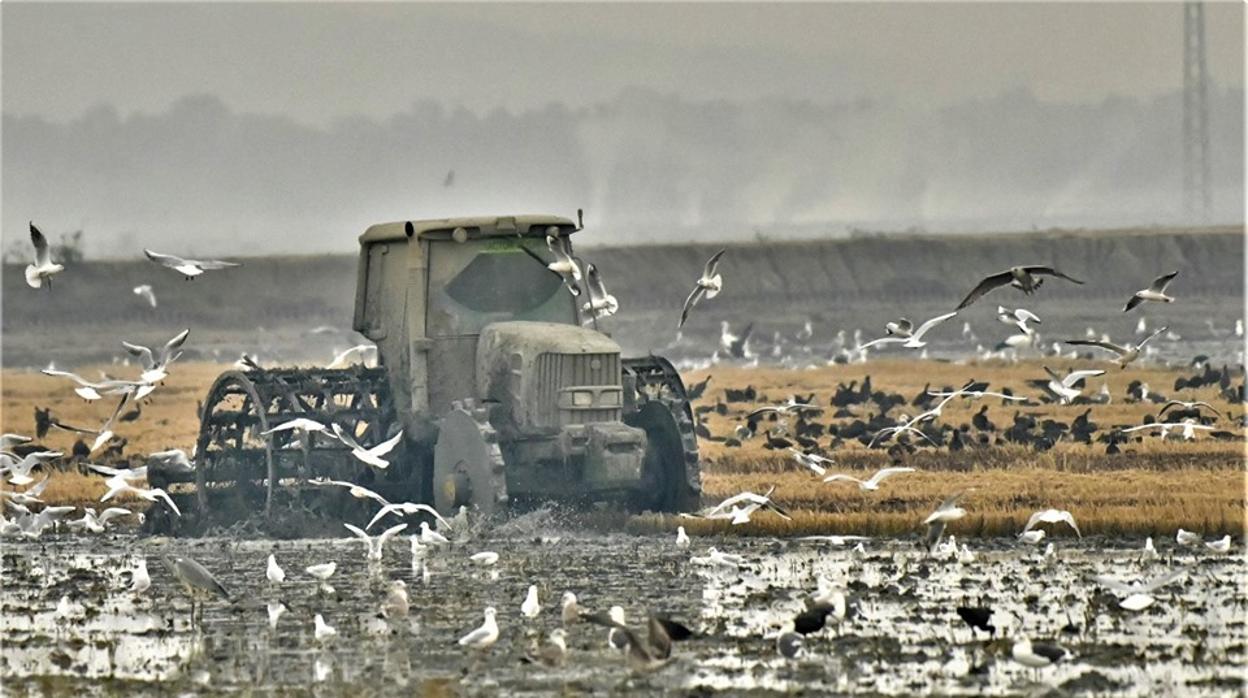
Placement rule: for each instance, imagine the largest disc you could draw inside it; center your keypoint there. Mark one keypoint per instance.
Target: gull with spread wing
(43, 267)
(707, 286)
(189, 268)
(156, 364)
(1155, 293)
(372, 456)
(872, 484)
(901, 332)
(1021, 277)
(1126, 354)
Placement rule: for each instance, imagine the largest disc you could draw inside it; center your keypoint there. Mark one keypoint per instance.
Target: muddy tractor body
(503, 388)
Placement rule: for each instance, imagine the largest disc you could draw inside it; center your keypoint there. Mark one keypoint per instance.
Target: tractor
(490, 365)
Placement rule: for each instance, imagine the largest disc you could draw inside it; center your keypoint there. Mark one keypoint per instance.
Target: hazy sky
(321, 62)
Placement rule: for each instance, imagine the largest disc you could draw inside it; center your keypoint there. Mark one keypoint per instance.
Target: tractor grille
(558, 371)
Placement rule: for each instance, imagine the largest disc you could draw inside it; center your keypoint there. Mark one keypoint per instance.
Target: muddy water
(69, 625)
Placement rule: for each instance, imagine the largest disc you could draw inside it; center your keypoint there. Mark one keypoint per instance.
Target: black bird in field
(977, 617)
(696, 390)
(813, 619)
(79, 450)
(981, 421)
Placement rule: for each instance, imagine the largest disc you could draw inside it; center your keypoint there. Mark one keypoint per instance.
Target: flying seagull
(1126, 354)
(371, 456)
(600, 303)
(935, 522)
(1155, 293)
(406, 509)
(1139, 593)
(156, 364)
(564, 265)
(189, 268)
(1022, 278)
(872, 484)
(901, 332)
(43, 267)
(1063, 387)
(1018, 317)
(145, 292)
(375, 545)
(708, 286)
(1052, 516)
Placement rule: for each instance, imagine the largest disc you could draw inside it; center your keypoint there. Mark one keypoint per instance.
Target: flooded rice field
(69, 623)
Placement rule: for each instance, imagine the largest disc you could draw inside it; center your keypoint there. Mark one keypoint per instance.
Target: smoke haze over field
(257, 128)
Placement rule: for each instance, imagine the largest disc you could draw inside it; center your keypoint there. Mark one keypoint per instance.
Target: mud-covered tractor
(501, 384)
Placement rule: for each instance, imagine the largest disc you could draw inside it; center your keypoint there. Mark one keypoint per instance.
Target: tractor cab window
(479, 282)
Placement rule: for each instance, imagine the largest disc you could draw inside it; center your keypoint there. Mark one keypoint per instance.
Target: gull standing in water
(1126, 353)
(569, 611)
(1036, 655)
(140, 580)
(274, 573)
(530, 608)
(1222, 545)
(484, 636)
(682, 538)
(1021, 277)
(901, 332)
(429, 536)
(553, 652)
(485, 558)
(322, 572)
(189, 268)
(1155, 293)
(1186, 538)
(43, 267)
(707, 286)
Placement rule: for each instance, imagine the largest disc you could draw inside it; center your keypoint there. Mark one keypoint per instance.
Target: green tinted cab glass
(479, 282)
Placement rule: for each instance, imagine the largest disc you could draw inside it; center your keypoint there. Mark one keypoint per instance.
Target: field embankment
(270, 305)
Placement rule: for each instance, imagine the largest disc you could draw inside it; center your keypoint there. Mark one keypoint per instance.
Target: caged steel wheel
(243, 470)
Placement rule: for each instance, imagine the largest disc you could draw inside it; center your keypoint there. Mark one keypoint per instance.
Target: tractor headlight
(609, 398)
(582, 398)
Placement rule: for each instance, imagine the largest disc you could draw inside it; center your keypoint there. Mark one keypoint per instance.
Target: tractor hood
(543, 375)
(533, 338)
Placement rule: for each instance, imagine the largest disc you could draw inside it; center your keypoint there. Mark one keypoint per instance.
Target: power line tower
(1197, 187)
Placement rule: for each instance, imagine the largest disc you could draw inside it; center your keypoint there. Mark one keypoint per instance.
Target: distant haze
(286, 128)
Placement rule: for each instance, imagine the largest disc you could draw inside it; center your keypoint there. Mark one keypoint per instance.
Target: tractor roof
(476, 226)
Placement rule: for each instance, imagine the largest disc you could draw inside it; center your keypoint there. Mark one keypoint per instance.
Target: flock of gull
(809, 442)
